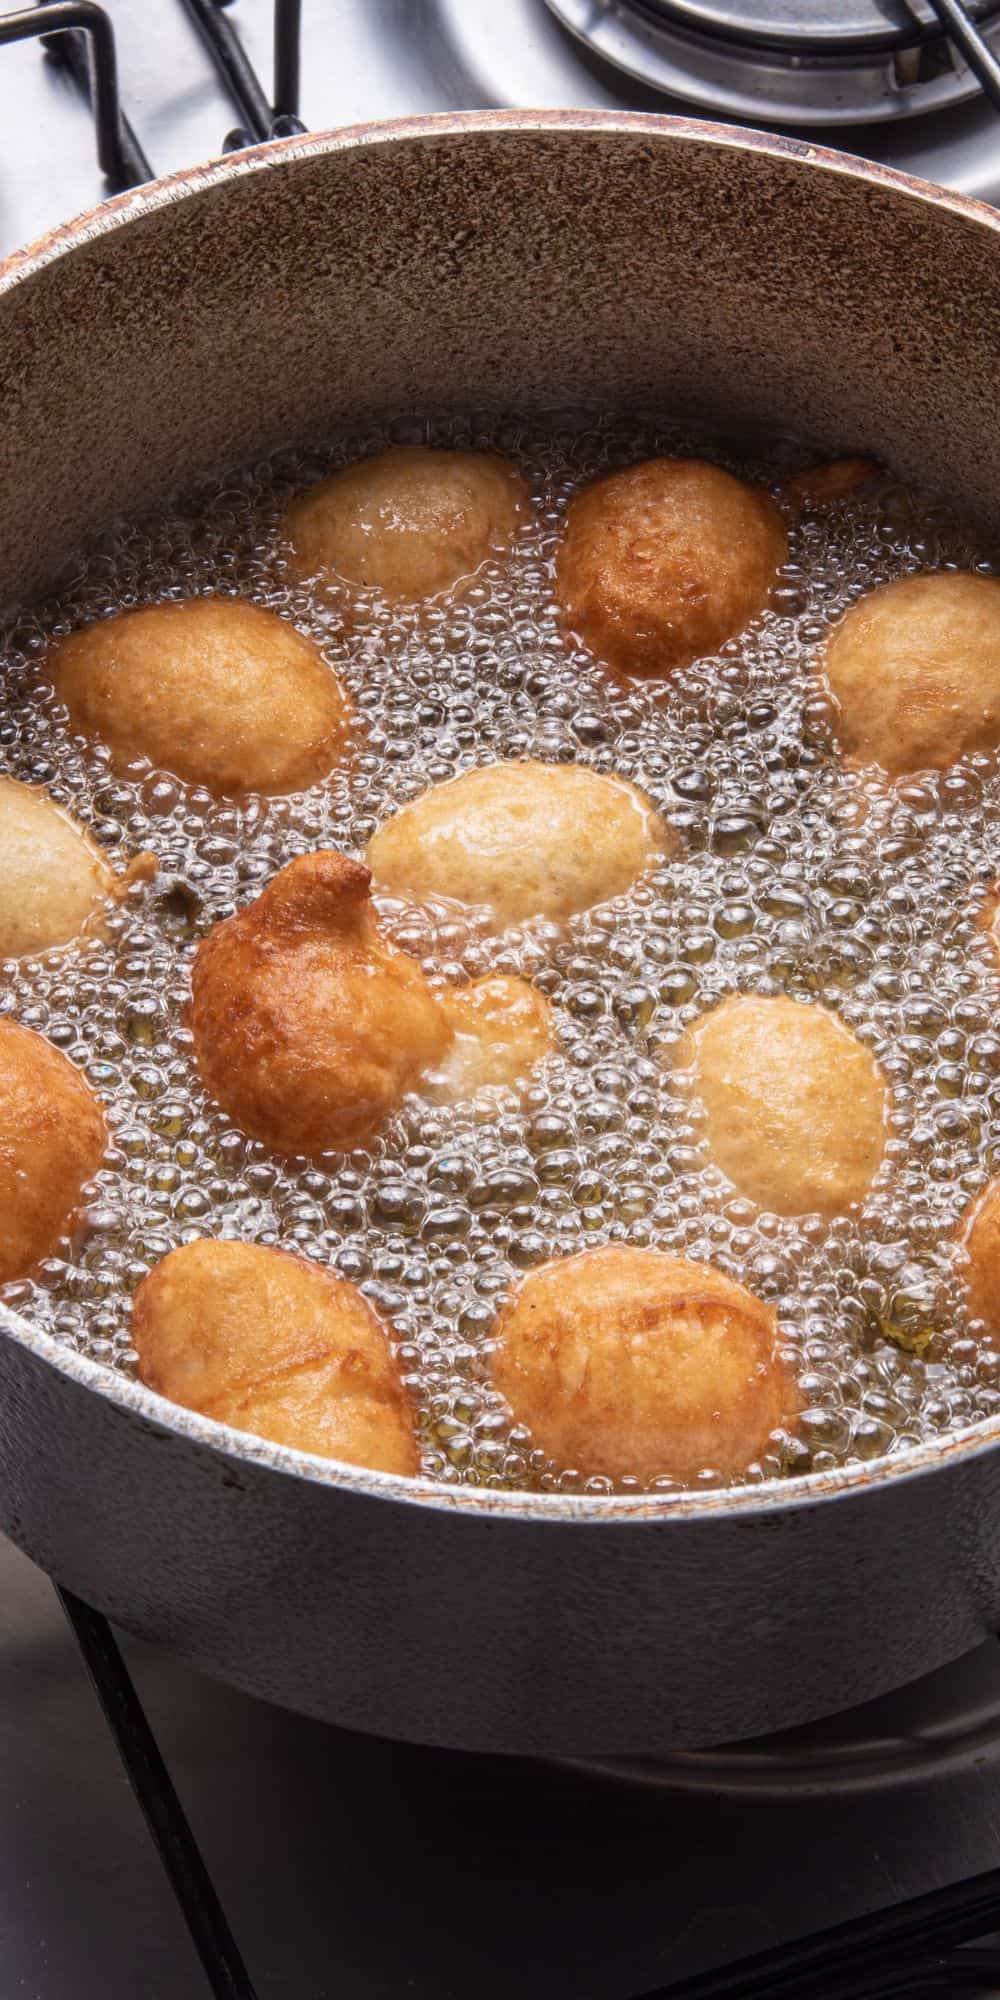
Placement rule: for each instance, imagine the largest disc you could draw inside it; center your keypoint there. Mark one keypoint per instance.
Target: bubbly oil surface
(794, 878)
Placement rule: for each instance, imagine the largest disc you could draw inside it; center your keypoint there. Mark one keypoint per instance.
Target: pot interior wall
(521, 268)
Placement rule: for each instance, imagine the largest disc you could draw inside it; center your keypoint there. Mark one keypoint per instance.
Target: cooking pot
(519, 262)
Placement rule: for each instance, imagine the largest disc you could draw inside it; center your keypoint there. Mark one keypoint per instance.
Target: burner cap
(811, 27)
(786, 62)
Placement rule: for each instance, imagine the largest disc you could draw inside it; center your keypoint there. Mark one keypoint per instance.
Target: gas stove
(876, 77)
(856, 1858)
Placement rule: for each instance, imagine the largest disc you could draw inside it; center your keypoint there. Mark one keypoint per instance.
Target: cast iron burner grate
(931, 1945)
(934, 1944)
(79, 35)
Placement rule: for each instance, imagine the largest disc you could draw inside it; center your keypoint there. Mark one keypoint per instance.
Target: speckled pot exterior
(515, 262)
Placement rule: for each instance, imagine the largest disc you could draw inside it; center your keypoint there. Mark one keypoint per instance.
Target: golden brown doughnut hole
(219, 692)
(630, 1363)
(273, 1344)
(52, 1141)
(795, 1105)
(664, 561)
(411, 522)
(915, 668)
(523, 839)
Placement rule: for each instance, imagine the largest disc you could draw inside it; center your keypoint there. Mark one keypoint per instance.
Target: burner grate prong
(957, 22)
(926, 1946)
(260, 120)
(161, 1808)
(234, 66)
(287, 42)
(79, 33)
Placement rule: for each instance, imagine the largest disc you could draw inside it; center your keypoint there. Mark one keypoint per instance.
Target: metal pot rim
(131, 1398)
(119, 210)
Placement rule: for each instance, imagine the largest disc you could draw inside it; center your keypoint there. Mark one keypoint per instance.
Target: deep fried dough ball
(796, 1106)
(502, 1029)
(409, 522)
(270, 1343)
(219, 692)
(308, 1028)
(664, 561)
(823, 486)
(915, 668)
(524, 839)
(52, 1140)
(628, 1362)
(55, 882)
(979, 1251)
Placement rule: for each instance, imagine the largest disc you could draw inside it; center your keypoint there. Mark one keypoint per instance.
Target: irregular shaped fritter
(218, 691)
(55, 882)
(796, 1107)
(410, 522)
(664, 561)
(630, 1363)
(308, 1027)
(523, 839)
(273, 1344)
(915, 668)
(52, 1141)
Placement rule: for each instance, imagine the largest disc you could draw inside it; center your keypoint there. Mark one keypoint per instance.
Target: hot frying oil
(794, 877)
